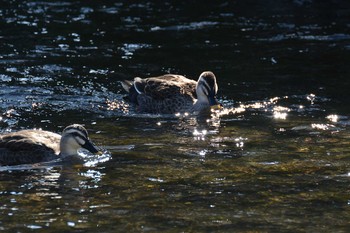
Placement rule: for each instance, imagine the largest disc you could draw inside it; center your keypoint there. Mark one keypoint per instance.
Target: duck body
(29, 146)
(34, 146)
(171, 93)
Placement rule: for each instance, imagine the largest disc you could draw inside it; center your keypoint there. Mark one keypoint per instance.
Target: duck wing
(28, 146)
(166, 86)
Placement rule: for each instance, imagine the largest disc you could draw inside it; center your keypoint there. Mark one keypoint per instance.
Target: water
(275, 159)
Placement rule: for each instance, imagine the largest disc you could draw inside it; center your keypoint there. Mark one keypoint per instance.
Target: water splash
(94, 160)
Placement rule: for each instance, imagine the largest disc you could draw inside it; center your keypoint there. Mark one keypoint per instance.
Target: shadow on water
(276, 158)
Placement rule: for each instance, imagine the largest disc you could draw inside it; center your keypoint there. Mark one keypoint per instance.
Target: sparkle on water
(275, 158)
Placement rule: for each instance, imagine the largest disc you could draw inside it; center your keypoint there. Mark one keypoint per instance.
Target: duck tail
(130, 88)
(126, 84)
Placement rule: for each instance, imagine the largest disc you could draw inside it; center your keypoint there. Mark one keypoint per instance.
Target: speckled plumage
(34, 146)
(28, 146)
(169, 93)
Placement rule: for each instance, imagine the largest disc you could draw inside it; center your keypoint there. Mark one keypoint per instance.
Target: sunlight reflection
(227, 111)
(202, 153)
(71, 224)
(44, 194)
(256, 105)
(214, 121)
(321, 126)
(311, 97)
(199, 135)
(34, 227)
(281, 109)
(280, 112)
(52, 176)
(156, 180)
(280, 115)
(333, 118)
(129, 49)
(275, 99)
(117, 105)
(93, 174)
(93, 160)
(267, 106)
(185, 114)
(240, 142)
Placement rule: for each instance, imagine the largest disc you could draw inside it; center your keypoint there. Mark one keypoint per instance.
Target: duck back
(166, 94)
(28, 146)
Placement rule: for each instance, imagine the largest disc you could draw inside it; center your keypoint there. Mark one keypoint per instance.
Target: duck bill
(214, 103)
(216, 107)
(91, 147)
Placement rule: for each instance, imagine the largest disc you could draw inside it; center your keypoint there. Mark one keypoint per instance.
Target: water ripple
(190, 26)
(299, 36)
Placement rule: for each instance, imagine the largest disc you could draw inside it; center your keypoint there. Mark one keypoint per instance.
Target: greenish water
(276, 159)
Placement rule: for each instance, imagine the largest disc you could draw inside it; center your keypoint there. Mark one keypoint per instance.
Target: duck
(35, 146)
(172, 93)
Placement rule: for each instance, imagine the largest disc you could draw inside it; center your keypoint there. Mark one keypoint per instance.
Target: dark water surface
(276, 159)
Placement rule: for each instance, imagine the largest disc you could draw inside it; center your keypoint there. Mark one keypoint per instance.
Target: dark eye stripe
(210, 89)
(207, 88)
(210, 82)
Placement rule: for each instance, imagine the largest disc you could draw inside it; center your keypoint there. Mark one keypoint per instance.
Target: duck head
(206, 91)
(73, 138)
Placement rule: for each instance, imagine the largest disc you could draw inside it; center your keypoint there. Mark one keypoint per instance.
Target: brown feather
(28, 146)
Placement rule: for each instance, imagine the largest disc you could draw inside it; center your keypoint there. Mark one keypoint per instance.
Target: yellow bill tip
(216, 107)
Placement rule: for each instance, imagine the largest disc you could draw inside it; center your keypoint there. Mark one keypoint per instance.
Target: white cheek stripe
(216, 88)
(80, 140)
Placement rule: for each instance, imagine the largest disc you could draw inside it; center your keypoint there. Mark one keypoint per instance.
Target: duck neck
(200, 105)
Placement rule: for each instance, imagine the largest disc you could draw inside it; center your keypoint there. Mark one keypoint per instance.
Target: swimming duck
(170, 93)
(34, 146)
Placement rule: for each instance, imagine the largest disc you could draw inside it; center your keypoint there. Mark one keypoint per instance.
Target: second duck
(170, 93)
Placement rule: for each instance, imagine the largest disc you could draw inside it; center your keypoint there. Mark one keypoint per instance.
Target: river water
(275, 159)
